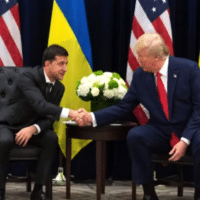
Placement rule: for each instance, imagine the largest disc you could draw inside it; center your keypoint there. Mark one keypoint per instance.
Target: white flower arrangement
(105, 86)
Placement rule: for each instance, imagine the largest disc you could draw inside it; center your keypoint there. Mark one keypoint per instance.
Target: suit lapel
(42, 85)
(42, 82)
(151, 87)
(172, 80)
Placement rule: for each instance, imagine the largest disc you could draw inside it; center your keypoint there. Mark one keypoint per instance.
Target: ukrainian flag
(199, 59)
(70, 30)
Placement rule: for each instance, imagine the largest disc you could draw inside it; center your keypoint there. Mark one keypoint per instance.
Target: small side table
(117, 131)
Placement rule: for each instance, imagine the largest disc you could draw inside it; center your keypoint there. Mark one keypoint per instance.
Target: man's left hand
(178, 151)
(23, 136)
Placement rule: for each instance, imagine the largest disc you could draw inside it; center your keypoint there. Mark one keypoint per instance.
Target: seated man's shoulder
(184, 62)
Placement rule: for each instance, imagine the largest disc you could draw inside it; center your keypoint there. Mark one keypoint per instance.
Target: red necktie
(164, 102)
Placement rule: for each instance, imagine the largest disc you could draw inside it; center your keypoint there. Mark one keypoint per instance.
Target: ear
(46, 63)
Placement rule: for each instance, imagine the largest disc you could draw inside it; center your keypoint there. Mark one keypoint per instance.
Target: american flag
(10, 37)
(150, 16)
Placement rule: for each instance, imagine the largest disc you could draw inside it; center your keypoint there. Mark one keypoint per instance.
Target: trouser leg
(142, 141)
(195, 148)
(48, 141)
(6, 143)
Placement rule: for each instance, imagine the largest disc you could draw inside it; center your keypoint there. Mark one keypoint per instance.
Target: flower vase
(100, 104)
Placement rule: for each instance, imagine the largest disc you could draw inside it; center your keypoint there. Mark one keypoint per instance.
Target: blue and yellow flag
(199, 59)
(69, 29)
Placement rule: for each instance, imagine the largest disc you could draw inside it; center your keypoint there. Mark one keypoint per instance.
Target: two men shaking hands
(82, 117)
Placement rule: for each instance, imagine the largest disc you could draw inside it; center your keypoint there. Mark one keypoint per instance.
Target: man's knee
(52, 138)
(6, 139)
(135, 136)
(195, 143)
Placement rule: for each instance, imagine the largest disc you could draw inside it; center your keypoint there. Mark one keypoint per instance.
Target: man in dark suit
(174, 112)
(29, 114)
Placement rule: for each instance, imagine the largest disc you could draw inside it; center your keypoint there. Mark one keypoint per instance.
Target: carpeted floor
(119, 190)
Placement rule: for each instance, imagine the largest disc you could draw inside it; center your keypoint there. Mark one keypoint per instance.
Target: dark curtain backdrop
(109, 24)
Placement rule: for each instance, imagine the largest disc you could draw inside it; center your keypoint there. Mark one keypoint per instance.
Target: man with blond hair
(169, 87)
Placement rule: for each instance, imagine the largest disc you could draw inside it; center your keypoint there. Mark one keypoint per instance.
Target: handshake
(81, 116)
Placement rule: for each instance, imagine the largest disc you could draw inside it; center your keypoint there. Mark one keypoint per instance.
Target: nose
(65, 67)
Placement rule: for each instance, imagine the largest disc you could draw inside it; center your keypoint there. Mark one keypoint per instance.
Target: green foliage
(101, 87)
(77, 84)
(98, 73)
(113, 84)
(116, 75)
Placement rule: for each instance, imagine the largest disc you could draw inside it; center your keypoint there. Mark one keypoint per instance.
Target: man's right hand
(178, 151)
(23, 136)
(81, 116)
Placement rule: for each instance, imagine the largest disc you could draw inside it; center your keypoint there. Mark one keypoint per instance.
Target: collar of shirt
(164, 70)
(164, 73)
(47, 80)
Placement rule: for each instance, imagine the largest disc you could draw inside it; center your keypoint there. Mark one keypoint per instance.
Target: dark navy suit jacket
(183, 99)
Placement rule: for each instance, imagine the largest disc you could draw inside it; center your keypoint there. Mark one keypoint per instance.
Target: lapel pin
(175, 76)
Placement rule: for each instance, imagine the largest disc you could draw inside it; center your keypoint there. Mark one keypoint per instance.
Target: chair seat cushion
(29, 152)
(160, 158)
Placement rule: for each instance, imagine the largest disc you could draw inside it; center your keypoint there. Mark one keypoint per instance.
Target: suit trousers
(47, 140)
(146, 139)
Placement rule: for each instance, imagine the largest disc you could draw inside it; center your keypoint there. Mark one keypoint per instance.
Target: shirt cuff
(64, 113)
(38, 129)
(185, 140)
(94, 123)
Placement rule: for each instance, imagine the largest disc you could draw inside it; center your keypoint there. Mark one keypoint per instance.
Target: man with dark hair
(30, 113)
(169, 87)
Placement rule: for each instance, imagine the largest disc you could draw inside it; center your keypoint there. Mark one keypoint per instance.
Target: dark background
(109, 24)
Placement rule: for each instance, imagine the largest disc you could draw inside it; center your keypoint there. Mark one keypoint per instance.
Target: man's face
(147, 62)
(57, 68)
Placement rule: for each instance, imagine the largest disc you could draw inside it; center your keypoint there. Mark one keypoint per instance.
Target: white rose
(92, 77)
(92, 80)
(83, 90)
(119, 92)
(97, 80)
(107, 74)
(122, 81)
(117, 80)
(84, 80)
(108, 93)
(95, 91)
(105, 81)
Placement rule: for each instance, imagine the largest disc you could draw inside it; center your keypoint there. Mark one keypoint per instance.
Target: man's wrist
(36, 130)
(65, 113)
(94, 123)
(185, 140)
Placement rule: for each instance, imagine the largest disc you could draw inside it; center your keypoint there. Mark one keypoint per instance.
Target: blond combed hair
(154, 43)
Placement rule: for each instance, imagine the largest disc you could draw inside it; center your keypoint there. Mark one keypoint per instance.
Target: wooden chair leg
(98, 169)
(103, 170)
(133, 191)
(180, 187)
(49, 187)
(28, 182)
(68, 167)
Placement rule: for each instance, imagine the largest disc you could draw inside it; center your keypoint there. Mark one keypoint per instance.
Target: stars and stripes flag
(151, 16)
(10, 37)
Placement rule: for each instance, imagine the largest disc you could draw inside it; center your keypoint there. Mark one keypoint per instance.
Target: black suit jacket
(28, 106)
